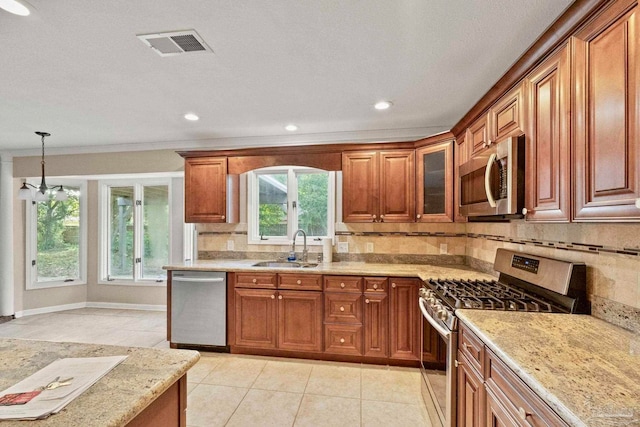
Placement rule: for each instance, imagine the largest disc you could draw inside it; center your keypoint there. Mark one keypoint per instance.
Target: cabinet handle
(273, 297)
(255, 280)
(381, 218)
(299, 282)
(455, 362)
(342, 308)
(375, 286)
(342, 285)
(366, 301)
(525, 211)
(393, 285)
(341, 340)
(638, 203)
(374, 218)
(524, 416)
(418, 216)
(279, 296)
(222, 217)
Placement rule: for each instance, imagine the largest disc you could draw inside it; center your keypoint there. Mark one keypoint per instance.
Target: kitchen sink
(283, 264)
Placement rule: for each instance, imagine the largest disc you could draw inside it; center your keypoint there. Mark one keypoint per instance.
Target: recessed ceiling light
(15, 7)
(291, 128)
(382, 105)
(192, 117)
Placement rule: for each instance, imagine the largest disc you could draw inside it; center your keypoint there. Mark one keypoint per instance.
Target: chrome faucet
(293, 244)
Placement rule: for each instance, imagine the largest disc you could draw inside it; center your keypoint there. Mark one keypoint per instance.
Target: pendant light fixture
(41, 195)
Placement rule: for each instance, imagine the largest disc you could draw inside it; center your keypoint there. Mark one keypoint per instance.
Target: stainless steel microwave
(492, 182)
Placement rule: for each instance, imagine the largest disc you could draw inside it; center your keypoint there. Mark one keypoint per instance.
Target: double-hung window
(135, 230)
(282, 200)
(56, 238)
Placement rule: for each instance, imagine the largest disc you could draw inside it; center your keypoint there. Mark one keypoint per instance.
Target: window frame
(253, 237)
(138, 184)
(31, 244)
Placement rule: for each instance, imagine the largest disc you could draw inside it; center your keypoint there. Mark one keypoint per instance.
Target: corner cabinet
(606, 73)
(205, 189)
(434, 185)
(547, 160)
(378, 186)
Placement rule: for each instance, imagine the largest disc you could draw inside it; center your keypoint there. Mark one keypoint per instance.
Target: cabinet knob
(525, 211)
(524, 416)
(341, 308)
(366, 301)
(341, 340)
(455, 362)
(374, 217)
(279, 296)
(485, 145)
(273, 297)
(393, 285)
(375, 286)
(342, 285)
(638, 203)
(489, 142)
(418, 216)
(255, 280)
(222, 217)
(299, 282)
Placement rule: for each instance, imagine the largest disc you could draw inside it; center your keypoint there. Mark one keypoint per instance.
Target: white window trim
(253, 238)
(31, 224)
(103, 216)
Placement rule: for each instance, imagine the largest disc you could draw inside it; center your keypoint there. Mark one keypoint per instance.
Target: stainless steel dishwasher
(199, 308)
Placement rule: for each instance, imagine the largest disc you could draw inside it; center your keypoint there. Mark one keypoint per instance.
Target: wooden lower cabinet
(376, 325)
(405, 319)
(256, 318)
(470, 394)
(300, 320)
(497, 414)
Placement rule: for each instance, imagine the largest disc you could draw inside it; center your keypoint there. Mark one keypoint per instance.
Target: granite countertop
(587, 370)
(422, 271)
(116, 398)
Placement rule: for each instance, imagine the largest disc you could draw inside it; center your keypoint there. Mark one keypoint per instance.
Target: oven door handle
(442, 331)
(487, 180)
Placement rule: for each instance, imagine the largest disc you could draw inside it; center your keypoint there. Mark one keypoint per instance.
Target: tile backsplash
(610, 251)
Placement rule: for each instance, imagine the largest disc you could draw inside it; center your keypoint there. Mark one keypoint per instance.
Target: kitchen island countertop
(116, 398)
(423, 271)
(585, 369)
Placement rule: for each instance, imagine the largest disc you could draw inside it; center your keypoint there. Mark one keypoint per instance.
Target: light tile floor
(238, 390)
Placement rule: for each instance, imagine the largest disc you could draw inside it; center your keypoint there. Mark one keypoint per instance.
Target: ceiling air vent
(175, 43)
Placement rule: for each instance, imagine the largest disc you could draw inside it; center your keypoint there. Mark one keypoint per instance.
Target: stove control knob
(443, 315)
(433, 302)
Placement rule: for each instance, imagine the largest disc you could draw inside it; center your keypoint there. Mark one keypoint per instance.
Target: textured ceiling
(75, 68)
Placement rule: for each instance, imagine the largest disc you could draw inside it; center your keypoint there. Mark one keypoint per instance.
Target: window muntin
(56, 243)
(284, 199)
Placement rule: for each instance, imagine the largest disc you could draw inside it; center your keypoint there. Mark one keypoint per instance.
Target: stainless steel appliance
(199, 309)
(492, 182)
(526, 283)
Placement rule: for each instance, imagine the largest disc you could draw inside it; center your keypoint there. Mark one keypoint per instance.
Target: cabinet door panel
(376, 325)
(496, 414)
(477, 137)
(360, 186)
(397, 188)
(435, 183)
(405, 319)
(507, 115)
(342, 307)
(300, 320)
(607, 75)
(255, 318)
(205, 181)
(548, 195)
(470, 395)
(344, 339)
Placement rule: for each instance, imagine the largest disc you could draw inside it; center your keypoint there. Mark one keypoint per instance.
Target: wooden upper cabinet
(478, 135)
(606, 67)
(461, 156)
(378, 186)
(205, 195)
(434, 185)
(506, 117)
(548, 133)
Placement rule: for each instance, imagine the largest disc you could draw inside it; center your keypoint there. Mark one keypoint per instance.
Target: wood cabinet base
(168, 410)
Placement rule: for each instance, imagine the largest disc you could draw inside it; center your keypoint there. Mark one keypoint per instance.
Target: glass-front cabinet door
(435, 182)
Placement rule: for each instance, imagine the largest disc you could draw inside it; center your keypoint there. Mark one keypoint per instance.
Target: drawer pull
(299, 282)
(367, 301)
(255, 280)
(375, 286)
(341, 340)
(524, 416)
(393, 285)
(279, 296)
(273, 297)
(342, 308)
(455, 362)
(342, 285)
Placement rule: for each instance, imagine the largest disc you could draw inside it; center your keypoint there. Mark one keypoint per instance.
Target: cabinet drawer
(343, 339)
(375, 284)
(472, 348)
(256, 280)
(312, 282)
(518, 399)
(343, 283)
(342, 307)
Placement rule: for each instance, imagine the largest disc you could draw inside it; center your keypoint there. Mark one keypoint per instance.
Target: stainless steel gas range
(526, 283)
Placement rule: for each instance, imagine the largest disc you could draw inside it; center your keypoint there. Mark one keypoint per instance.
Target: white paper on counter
(85, 371)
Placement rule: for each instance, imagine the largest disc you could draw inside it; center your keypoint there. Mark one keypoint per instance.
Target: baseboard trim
(126, 306)
(51, 309)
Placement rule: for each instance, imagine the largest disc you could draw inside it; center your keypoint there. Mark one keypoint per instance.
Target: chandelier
(41, 194)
